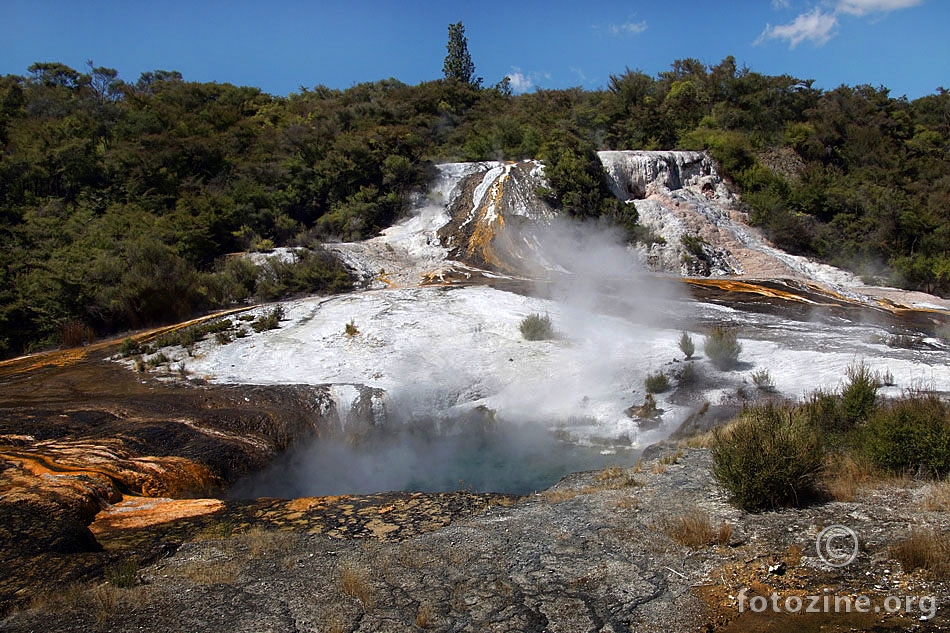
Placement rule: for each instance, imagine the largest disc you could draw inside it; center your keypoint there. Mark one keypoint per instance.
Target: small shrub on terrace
(688, 375)
(130, 347)
(722, 348)
(269, 321)
(536, 327)
(769, 457)
(351, 329)
(687, 346)
(763, 380)
(657, 382)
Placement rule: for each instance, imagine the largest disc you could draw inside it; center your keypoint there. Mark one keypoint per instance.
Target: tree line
(120, 201)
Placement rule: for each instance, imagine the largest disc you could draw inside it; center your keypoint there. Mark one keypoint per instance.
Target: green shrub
(155, 361)
(859, 394)
(768, 457)
(722, 348)
(657, 382)
(910, 435)
(823, 410)
(536, 327)
(687, 346)
(130, 347)
(269, 321)
(351, 329)
(687, 375)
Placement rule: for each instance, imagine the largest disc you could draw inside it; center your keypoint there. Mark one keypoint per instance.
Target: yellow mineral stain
(138, 512)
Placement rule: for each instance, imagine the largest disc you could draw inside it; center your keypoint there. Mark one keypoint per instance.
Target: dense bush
(769, 457)
(722, 348)
(536, 327)
(119, 199)
(657, 382)
(859, 395)
(911, 434)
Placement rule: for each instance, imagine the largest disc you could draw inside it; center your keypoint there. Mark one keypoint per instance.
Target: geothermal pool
(510, 458)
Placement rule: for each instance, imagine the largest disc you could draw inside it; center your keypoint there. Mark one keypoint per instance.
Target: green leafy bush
(722, 348)
(911, 434)
(657, 382)
(536, 327)
(768, 458)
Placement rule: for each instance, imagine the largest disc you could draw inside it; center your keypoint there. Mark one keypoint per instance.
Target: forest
(120, 201)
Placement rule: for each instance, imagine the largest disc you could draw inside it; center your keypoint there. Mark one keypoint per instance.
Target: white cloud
(863, 7)
(628, 28)
(817, 27)
(519, 82)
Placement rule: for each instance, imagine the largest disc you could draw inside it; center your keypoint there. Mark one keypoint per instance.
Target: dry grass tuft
(671, 457)
(614, 478)
(937, 498)
(845, 475)
(928, 550)
(610, 478)
(100, 600)
(261, 541)
(211, 572)
(355, 582)
(628, 503)
(424, 615)
(694, 530)
(559, 495)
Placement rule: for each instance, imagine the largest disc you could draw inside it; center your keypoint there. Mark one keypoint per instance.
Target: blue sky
(282, 45)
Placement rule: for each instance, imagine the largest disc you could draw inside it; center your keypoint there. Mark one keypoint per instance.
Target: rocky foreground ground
(651, 548)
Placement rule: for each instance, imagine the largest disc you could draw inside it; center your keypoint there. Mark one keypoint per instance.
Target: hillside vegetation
(120, 200)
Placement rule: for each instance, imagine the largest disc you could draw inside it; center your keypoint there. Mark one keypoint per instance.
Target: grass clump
(536, 327)
(657, 382)
(769, 457)
(123, 574)
(687, 346)
(928, 550)
(695, 530)
(355, 582)
(351, 329)
(722, 348)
